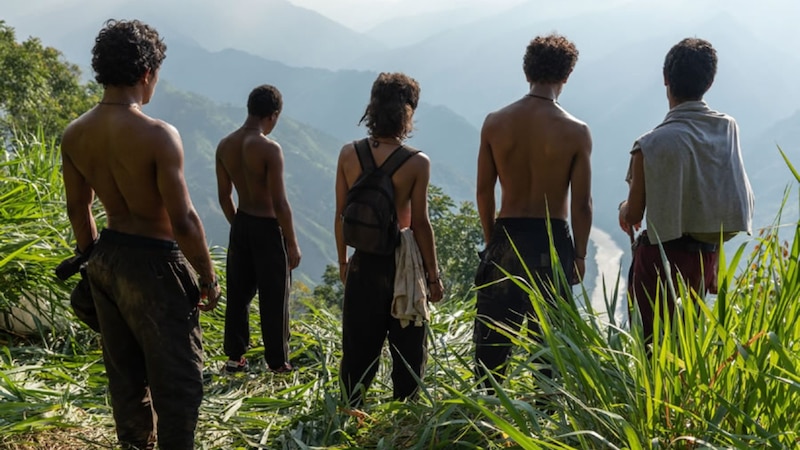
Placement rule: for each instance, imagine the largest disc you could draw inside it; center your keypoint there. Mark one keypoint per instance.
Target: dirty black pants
(504, 304)
(146, 296)
(366, 323)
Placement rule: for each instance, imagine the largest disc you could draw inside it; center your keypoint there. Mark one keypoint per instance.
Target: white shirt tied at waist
(410, 301)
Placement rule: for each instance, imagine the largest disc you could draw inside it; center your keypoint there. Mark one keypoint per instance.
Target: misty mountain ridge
(469, 69)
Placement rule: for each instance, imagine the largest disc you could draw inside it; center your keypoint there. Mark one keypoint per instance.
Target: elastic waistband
(529, 223)
(135, 240)
(249, 217)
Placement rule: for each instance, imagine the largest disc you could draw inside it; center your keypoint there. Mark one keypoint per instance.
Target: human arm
(631, 211)
(421, 225)
(487, 179)
(186, 225)
(341, 189)
(283, 211)
(581, 200)
(224, 188)
(79, 198)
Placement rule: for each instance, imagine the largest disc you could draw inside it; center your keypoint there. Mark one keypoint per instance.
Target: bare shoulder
(347, 153)
(496, 118)
(577, 128)
(159, 134)
(73, 132)
(419, 159)
(269, 148)
(574, 123)
(223, 145)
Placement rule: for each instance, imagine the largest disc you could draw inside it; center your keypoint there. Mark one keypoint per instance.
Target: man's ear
(146, 76)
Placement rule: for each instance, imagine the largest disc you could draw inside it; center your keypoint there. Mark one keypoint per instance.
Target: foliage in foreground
(724, 375)
(38, 87)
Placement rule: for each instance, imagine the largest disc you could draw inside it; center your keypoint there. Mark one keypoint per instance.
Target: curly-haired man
(144, 268)
(368, 316)
(689, 172)
(541, 156)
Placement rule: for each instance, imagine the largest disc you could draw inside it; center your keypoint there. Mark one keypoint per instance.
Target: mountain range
(467, 67)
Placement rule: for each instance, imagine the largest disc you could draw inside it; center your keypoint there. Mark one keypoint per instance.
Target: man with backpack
(689, 172)
(381, 188)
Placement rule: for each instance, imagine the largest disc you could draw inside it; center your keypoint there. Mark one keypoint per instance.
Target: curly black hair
(392, 103)
(689, 68)
(549, 59)
(264, 100)
(124, 51)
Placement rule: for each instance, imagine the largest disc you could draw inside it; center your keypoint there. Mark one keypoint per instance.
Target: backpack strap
(364, 153)
(398, 157)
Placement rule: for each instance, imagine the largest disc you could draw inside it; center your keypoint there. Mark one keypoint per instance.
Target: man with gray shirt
(689, 173)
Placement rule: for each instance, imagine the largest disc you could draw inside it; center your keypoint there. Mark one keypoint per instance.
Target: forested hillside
(723, 374)
(310, 164)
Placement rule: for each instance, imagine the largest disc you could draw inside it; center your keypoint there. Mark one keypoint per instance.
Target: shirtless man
(144, 268)
(369, 278)
(541, 155)
(263, 248)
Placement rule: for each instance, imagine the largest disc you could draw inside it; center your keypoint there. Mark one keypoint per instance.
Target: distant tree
(331, 291)
(38, 88)
(458, 238)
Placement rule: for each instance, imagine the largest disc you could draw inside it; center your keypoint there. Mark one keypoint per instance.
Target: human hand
(293, 256)
(580, 270)
(211, 293)
(436, 289)
(623, 220)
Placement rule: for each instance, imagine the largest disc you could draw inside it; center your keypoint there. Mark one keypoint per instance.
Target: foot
(232, 366)
(285, 368)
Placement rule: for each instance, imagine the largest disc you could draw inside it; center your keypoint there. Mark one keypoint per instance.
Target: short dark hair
(124, 51)
(689, 68)
(549, 59)
(393, 99)
(264, 101)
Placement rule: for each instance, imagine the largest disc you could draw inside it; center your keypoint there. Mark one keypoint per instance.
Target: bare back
(245, 157)
(533, 147)
(133, 163)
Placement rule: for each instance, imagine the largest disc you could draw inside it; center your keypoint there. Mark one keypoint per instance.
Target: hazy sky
(366, 13)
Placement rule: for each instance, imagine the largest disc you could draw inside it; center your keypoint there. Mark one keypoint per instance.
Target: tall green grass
(725, 374)
(35, 233)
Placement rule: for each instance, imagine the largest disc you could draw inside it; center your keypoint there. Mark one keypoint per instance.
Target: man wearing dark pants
(369, 279)
(263, 248)
(689, 173)
(150, 267)
(541, 156)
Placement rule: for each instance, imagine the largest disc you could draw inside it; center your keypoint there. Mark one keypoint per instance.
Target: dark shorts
(146, 296)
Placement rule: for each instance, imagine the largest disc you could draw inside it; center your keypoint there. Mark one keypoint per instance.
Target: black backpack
(370, 216)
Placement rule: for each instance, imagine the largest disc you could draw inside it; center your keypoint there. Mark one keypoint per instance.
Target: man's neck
(122, 95)
(254, 124)
(549, 91)
(673, 102)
